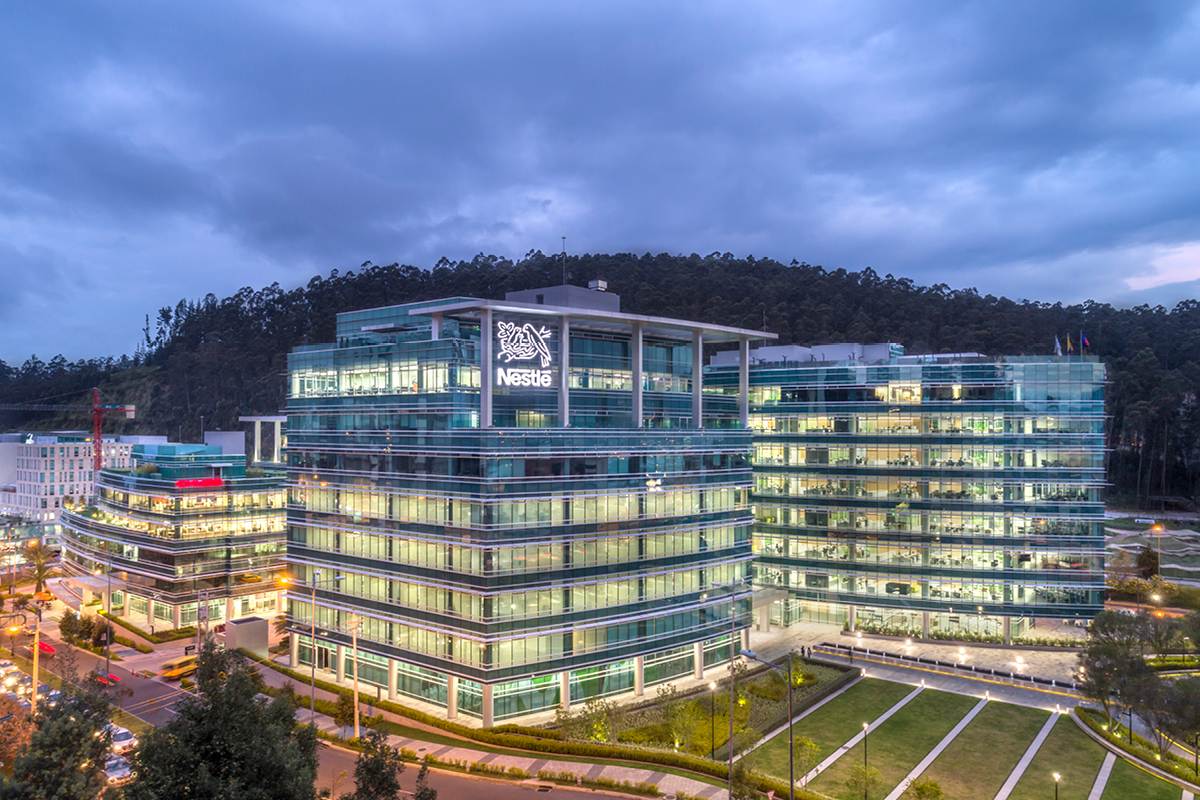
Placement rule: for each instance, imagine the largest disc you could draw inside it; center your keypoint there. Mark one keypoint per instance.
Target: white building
(39, 472)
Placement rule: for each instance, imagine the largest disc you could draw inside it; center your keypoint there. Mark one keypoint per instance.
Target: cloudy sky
(153, 151)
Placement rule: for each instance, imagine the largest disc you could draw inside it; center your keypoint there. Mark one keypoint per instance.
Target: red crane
(98, 410)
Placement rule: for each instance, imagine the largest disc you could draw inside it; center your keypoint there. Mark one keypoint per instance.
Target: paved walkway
(936, 751)
(1023, 764)
(858, 737)
(1102, 776)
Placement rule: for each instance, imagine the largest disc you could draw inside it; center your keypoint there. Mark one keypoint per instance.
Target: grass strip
(991, 744)
(1128, 781)
(897, 745)
(831, 725)
(1069, 752)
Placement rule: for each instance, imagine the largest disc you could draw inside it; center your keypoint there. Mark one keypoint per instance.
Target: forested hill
(218, 358)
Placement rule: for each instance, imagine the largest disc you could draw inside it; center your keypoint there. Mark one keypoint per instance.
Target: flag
(1070, 344)
(1057, 346)
(1084, 344)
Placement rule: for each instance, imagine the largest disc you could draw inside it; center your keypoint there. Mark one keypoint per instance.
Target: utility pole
(37, 647)
(354, 663)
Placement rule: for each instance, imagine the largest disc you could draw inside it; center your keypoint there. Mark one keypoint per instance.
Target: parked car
(104, 679)
(117, 771)
(122, 739)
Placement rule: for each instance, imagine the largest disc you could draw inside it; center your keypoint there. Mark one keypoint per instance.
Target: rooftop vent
(598, 284)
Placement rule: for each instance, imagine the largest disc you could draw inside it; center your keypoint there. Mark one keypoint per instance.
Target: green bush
(158, 638)
(127, 642)
(1139, 747)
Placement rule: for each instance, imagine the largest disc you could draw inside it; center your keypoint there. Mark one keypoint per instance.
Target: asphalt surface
(151, 700)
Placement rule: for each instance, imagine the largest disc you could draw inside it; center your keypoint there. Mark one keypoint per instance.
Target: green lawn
(1127, 782)
(831, 725)
(897, 745)
(1068, 751)
(991, 745)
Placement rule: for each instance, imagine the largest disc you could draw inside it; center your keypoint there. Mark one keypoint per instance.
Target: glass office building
(187, 526)
(944, 496)
(516, 505)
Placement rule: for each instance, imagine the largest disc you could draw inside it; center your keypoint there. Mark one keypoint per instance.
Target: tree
(863, 781)
(1162, 633)
(924, 789)
(343, 710)
(377, 771)
(1184, 720)
(1147, 562)
(15, 731)
(39, 558)
(740, 783)
(65, 758)
(807, 754)
(423, 790)
(226, 743)
(682, 715)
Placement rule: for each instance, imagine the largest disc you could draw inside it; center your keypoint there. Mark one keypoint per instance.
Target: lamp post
(712, 720)
(12, 631)
(1057, 778)
(312, 689)
(791, 742)
(108, 634)
(354, 622)
(37, 646)
(866, 728)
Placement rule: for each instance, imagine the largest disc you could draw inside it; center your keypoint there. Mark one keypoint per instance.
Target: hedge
(1139, 747)
(141, 648)
(542, 741)
(158, 638)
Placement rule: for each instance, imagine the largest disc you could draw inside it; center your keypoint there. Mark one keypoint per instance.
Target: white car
(117, 771)
(122, 739)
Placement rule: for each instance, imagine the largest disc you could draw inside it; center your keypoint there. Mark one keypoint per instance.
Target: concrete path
(936, 751)
(1023, 764)
(796, 719)
(858, 737)
(1102, 776)
(1187, 795)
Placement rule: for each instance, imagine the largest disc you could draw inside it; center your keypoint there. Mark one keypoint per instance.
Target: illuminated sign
(520, 343)
(199, 483)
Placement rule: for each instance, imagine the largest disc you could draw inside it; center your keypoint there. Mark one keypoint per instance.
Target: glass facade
(929, 495)
(496, 561)
(187, 525)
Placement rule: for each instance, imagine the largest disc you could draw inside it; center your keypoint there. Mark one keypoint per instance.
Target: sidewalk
(470, 751)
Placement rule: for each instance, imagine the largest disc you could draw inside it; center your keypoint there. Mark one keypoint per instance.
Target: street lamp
(791, 743)
(712, 720)
(1057, 778)
(354, 622)
(13, 630)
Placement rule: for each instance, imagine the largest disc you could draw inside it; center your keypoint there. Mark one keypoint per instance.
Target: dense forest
(205, 362)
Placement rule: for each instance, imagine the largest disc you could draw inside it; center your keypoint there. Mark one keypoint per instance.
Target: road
(151, 700)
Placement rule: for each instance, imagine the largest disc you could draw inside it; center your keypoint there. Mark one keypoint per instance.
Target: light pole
(1057, 778)
(108, 620)
(712, 720)
(13, 630)
(791, 742)
(312, 689)
(866, 728)
(354, 622)
(37, 646)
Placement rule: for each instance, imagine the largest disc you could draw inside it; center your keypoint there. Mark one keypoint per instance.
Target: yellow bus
(178, 668)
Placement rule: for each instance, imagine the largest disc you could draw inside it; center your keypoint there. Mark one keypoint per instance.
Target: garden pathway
(1023, 764)
(1102, 776)
(936, 751)
(858, 737)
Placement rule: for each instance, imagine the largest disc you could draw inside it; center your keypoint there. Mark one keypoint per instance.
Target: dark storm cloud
(153, 152)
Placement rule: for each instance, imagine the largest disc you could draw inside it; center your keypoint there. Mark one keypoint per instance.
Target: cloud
(167, 151)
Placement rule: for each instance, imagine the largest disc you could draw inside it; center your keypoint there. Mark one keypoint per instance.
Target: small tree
(863, 781)
(39, 558)
(807, 754)
(343, 712)
(924, 789)
(15, 731)
(68, 625)
(423, 790)
(101, 633)
(1147, 562)
(377, 771)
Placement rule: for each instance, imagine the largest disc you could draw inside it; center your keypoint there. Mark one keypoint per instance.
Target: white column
(340, 667)
(277, 444)
(698, 660)
(228, 609)
(564, 374)
(697, 380)
(764, 618)
(485, 368)
(488, 711)
(564, 688)
(1007, 630)
(639, 676)
(435, 326)
(294, 650)
(924, 624)
(635, 352)
(257, 441)
(451, 697)
(852, 617)
(744, 381)
(150, 611)
(393, 695)
(745, 635)
(175, 616)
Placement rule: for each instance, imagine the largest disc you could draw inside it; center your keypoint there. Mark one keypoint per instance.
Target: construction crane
(99, 412)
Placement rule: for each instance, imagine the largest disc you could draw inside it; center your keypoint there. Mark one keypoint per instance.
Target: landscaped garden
(986, 774)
